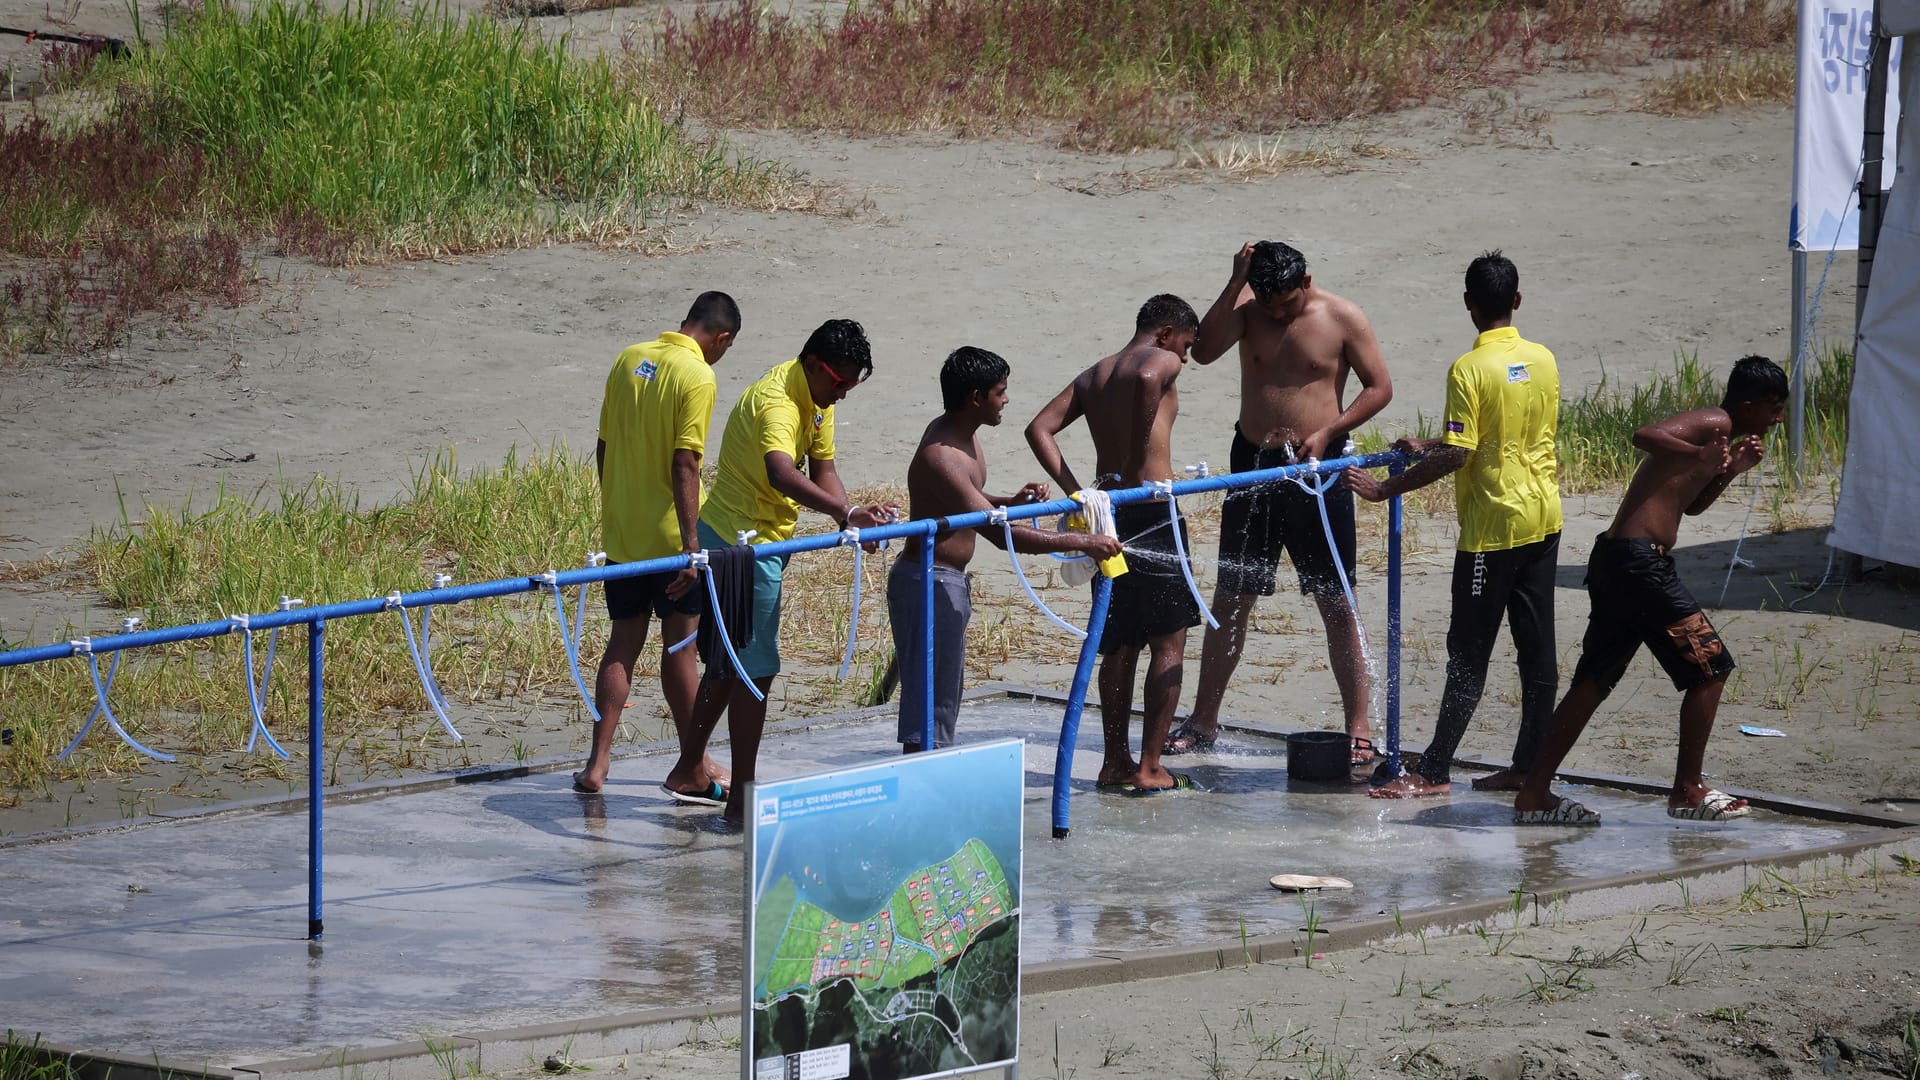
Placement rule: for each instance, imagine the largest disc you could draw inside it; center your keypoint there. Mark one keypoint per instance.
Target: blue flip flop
(715, 795)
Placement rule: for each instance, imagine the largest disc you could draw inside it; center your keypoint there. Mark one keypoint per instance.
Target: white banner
(1829, 121)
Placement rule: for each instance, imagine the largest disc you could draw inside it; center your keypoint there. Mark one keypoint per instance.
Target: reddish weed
(111, 219)
(1123, 73)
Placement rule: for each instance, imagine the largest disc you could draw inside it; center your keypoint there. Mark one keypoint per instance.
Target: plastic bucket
(1318, 755)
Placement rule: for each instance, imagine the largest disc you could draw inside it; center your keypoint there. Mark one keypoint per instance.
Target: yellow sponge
(1114, 566)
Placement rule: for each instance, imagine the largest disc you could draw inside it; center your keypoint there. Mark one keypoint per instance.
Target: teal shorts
(761, 658)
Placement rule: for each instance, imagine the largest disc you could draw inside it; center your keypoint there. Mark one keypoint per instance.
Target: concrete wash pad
(458, 911)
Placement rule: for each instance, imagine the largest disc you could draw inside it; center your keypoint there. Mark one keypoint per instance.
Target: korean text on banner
(1829, 118)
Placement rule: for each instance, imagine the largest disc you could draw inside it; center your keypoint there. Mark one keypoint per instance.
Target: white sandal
(1717, 806)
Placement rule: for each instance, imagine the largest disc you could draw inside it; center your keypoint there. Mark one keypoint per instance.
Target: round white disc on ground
(1303, 882)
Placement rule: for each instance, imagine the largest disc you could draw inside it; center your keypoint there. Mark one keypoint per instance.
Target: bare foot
(1116, 774)
(586, 783)
(1523, 803)
(1502, 780)
(1155, 779)
(1410, 786)
(1363, 750)
(1188, 738)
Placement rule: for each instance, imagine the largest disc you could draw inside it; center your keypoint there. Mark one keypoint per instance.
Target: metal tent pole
(1797, 365)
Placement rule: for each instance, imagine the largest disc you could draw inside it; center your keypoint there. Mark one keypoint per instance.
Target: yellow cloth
(1503, 405)
(775, 413)
(659, 399)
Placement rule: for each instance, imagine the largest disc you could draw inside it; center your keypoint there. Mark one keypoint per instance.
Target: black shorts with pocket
(1151, 600)
(1638, 599)
(636, 597)
(1259, 522)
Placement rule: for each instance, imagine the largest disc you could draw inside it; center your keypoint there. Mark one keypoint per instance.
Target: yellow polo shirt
(1503, 404)
(659, 399)
(775, 413)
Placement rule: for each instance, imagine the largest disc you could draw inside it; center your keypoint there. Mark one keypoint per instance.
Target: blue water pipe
(1395, 523)
(1076, 703)
(316, 791)
(316, 618)
(926, 637)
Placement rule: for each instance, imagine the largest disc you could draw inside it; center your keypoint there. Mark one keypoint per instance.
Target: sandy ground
(1637, 237)
(1808, 976)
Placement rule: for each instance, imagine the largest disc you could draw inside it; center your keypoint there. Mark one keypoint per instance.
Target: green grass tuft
(1596, 429)
(365, 131)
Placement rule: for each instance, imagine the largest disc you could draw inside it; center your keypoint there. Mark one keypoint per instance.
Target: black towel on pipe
(732, 570)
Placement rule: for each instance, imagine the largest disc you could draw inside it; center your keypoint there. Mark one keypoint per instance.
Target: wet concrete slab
(482, 906)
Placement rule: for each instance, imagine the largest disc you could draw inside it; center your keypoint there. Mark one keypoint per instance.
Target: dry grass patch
(1242, 159)
(1128, 74)
(1736, 80)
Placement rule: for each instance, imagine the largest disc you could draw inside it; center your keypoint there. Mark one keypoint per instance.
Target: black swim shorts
(634, 597)
(1258, 522)
(1638, 599)
(1150, 600)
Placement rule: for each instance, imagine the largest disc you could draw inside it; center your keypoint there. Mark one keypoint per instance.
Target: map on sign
(884, 929)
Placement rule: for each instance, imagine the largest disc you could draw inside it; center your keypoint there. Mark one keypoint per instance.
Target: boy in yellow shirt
(653, 432)
(1503, 408)
(775, 457)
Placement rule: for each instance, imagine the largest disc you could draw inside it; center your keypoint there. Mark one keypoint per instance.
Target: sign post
(882, 918)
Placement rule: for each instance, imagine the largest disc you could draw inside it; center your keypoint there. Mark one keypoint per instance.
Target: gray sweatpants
(952, 608)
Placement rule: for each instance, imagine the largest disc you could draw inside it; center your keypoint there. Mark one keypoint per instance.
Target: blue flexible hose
(1076, 703)
(254, 691)
(573, 654)
(853, 617)
(106, 710)
(427, 682)
(1186, 563)
(1021, 573)
(98, 706)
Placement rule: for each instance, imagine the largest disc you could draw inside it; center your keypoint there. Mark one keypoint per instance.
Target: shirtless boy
(948, 475)
(1129, 401)
(1638, 598)
(1298, 345)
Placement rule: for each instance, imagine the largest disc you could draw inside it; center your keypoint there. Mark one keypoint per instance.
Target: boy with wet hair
(947, 476)
(1299, 346)
(1502, 412)
(1638, 598)
(1129, 401)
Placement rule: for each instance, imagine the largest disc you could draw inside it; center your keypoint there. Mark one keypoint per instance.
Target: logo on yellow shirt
(1518, 373)
(647, 370)
(819, 419)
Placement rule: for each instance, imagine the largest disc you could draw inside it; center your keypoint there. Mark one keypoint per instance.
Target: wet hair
(969, 370)
(840, 343)
(1755, 378)
(1492, 283)
(1275, 268)
(1166, 310)
(714, 312)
